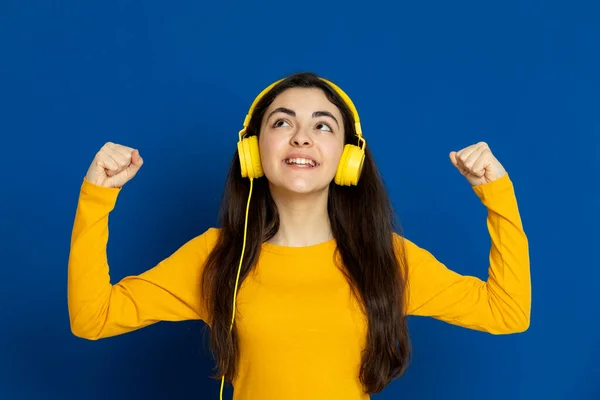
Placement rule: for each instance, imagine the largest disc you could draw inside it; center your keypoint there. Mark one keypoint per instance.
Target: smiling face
(301, 141)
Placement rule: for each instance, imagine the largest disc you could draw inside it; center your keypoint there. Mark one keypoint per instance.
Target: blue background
(175, 80)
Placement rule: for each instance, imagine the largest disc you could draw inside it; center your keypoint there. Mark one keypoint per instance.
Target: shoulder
(406, 246)
(208, 238)
(413, 258)
(211, 233)
(201, 244)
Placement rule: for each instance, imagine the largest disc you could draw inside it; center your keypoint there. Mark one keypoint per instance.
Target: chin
(299, 186)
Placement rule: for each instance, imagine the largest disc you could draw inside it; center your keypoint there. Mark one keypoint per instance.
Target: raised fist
(114, 165)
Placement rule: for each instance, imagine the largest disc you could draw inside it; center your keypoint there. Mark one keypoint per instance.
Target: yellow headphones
(351, 162)
(347, 174)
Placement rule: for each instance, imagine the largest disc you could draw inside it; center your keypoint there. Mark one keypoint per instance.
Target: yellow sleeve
(500, 305)
(97, 309)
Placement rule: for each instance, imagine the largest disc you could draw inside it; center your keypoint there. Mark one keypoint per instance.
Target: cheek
(335, 150)
(268, 150)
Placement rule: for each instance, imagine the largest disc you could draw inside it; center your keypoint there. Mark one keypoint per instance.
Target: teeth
(301, 161)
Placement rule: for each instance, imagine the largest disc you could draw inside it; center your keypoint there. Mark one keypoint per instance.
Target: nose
(301, 138)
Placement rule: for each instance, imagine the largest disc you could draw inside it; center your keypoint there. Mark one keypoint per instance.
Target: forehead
(299, 99)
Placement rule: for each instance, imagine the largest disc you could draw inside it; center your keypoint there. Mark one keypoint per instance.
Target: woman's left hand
(477, 164)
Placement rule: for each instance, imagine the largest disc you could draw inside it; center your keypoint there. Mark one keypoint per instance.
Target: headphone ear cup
(250, 158)
(350, 166)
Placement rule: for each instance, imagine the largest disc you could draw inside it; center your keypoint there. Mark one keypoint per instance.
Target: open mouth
(301, 162)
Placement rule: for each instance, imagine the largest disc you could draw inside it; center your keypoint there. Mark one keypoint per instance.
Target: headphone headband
(336, 88)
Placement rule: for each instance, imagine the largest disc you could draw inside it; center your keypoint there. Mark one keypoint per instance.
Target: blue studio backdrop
(175, 79)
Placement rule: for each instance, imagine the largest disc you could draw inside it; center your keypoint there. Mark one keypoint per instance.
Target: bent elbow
(522, 326)
(512, 313)
(85, 330)
(522, 319)
(515, 325)
(508, 320)
(81, 333)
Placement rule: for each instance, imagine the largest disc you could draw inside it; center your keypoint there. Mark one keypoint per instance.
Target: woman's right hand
(114, 166)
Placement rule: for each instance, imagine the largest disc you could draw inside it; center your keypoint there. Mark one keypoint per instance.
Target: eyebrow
(293, 113)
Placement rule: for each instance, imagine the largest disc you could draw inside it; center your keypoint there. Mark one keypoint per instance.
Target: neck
(303, 219)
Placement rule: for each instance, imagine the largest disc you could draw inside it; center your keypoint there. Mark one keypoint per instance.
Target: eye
(322, 124)
(279, 123)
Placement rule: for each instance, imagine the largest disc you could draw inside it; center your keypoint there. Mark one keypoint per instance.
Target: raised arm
(97, 308)
(502, 303)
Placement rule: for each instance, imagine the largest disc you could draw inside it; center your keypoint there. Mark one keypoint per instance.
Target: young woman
(307, 254)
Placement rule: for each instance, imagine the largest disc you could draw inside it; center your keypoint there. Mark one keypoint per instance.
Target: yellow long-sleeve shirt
(300, 329)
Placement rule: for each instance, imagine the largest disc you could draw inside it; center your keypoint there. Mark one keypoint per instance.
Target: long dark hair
(362, 221)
